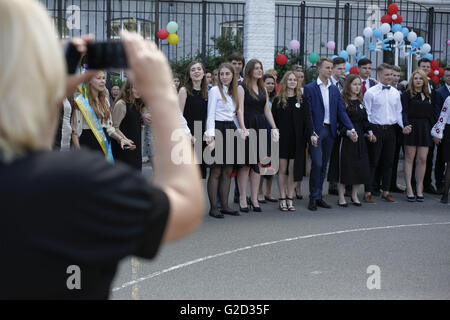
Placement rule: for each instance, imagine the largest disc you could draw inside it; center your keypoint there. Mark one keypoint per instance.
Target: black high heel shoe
(357, 204)
(252, 206)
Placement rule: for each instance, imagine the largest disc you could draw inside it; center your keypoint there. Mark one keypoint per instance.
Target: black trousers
(381, 155)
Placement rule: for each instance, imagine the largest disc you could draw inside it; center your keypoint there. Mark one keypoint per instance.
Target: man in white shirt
(338, 76)
(384, 111)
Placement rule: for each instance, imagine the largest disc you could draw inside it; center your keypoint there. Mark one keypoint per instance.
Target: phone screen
(106, 55)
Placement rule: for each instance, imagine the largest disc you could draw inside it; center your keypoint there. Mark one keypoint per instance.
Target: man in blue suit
(327, 108)
(440, 95)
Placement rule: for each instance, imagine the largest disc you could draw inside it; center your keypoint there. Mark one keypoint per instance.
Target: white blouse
(219, 110)
(444, 118)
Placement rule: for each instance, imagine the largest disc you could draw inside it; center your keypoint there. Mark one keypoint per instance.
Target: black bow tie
(386, 87)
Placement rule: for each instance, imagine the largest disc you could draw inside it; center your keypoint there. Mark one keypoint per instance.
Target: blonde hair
(411, 89)
(33, 78)
(282, 92)
(99, 105)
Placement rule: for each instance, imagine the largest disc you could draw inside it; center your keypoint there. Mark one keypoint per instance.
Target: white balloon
(412, 36)
(394, 16)
(398, 36)
(367, 32)
(359, 41)
(426, 48)
(351, 49)
(390, 36)
(385, 28)
(436, 72)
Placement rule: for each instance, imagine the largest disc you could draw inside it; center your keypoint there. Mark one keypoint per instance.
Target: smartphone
(73, 58)
(106, 55)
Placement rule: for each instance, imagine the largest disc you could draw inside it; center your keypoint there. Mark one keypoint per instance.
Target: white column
(259, 32)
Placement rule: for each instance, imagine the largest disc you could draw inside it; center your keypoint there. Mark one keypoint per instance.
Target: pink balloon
(331, 45)
(448, 42)
(294, 45)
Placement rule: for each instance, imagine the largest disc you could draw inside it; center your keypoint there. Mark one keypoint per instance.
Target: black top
(61, 209)
(195, 109)
(252, 105)
(416, 108)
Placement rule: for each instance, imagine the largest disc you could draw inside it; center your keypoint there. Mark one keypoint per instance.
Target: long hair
(176, 76)
(190, 86)
(282, 92)
(232, 87)
(347, 91)
(273, 93)
(411, 89)
(248, 77)
(126, 94)
(98, 102)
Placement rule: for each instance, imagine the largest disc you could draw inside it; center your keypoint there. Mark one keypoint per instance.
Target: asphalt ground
(377, 251)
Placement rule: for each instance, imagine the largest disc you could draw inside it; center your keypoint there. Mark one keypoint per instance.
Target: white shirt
(219, 110)
(66, 134)
(336, 83)
(444, 118)
(448, 87)
(367, 84)
(383, 107)
(326, 99)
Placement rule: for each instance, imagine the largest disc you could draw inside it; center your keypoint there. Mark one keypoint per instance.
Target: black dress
(420, 115)
(88, 140)
(254, 118)
(295, 126)
(131, 127)
(349, 162)
(196, 109)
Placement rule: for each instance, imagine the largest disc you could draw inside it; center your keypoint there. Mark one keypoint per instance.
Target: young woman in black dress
(349, 164)
(127, 115)
(193, 100)
(292, 116)
(223, 104)
(255, 102)
(418, 112)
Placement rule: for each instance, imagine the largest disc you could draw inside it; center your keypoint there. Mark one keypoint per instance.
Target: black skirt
(88, 140)
(227, 154)
(420, 135)
(257, 122)
(446, 143)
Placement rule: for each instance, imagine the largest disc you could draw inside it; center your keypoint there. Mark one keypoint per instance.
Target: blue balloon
(333, 57)
(343, 54)
(405, 31)
(396, 28)
(363, 57)
(347, 67)
(428, 56)
(420, 41)
(377, 34)
(414, 44)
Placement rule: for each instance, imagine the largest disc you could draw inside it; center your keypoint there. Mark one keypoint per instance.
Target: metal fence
(314, 26)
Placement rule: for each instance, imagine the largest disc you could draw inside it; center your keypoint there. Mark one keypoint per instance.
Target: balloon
(173, 38)
(359, 41)
(347, 66)
(430, 74)
(396, 27)
(368, 32)
(343, 54)
(398, 20)
(441, 72)
(435, 79)
(385, 28)
(172, 27)
(426, 48)
(412, 36)
(448, 42)
(398, 36)
(281, 59)
(394, 17)
(331, 45)
(434, 64)
(163, 34)
(377, 34)
(313, 57)
(420, 41)
(386, 19)
(333, 57)
(428, 56)
(405, 31)
(294, 45)
(436, 72)
(393, 8)
(354, 70)
(351, 49)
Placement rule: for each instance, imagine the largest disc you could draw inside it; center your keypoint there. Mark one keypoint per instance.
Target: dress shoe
(323, 204)
(356, 204)
(255, 209)
(388, 198)
(243, 209)
(270, 199)
(343, 205)
(411, 199)
(420, 199)
(396, 189)
(333, 192)
(262, 201)
(312, 205)
(369, 199)
(444, 198)
(216, 214)
(230, 212)
(430, 189)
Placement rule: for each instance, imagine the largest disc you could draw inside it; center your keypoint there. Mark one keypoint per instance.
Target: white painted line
(158, 273)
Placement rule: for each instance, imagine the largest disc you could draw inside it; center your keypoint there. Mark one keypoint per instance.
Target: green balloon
(313, 57)
(172, 27)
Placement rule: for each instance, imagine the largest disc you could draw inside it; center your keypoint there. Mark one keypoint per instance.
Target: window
(233, 29)
(144, 27)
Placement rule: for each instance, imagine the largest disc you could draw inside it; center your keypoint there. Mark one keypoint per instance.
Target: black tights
(447, 179)
(219, 180)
